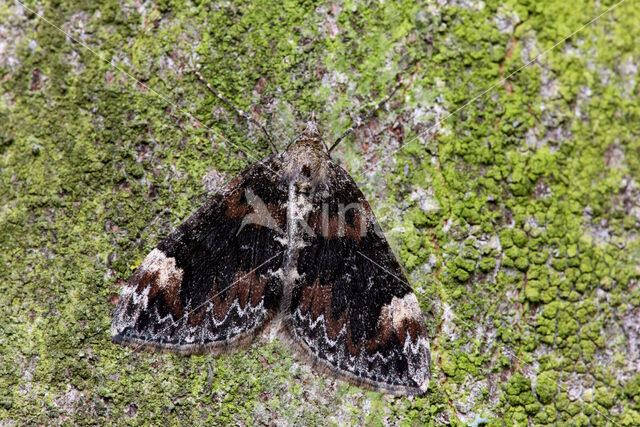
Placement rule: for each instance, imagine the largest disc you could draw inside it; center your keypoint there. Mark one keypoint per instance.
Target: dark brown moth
(292, 237)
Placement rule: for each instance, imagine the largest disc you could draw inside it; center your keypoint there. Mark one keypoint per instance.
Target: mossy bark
(510, 194)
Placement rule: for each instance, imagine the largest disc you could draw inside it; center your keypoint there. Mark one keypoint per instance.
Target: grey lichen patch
(517, 218)
(14, 35)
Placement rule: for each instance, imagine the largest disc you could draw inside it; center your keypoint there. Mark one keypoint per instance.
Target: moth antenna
(324, 144)
(367, 117)
(291, 143)
(238, 111)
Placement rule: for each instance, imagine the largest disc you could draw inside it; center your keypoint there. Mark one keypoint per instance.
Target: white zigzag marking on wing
(190, 333)
(354, 360)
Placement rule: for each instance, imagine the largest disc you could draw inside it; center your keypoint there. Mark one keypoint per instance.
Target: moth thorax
(303, 186)
(314, 143)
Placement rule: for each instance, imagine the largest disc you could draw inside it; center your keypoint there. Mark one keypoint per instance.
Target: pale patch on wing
(165, 267)
(408, 323)
(156, 273)
(403, 309)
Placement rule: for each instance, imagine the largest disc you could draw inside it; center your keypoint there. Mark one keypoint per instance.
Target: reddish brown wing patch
(313, 302)
(340, 226)
(235, 208)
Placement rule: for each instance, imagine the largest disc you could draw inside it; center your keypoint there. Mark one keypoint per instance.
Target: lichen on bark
(516, 216)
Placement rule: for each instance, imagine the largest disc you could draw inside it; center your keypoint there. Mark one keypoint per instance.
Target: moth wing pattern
(351, 309)
(213, 283)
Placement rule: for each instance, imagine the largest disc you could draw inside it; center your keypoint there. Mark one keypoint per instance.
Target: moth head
(311, 130)
(310, 136)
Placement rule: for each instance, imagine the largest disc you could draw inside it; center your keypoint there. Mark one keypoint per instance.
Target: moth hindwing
(294, 235)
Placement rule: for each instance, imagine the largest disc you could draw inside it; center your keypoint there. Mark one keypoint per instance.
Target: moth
(291, 237)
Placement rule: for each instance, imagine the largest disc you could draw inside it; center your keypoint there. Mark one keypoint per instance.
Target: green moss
(507, 263)
(506, 238)
(540, 258)
(631, 418)
(581, 420)
(632, 388)
(547, 386)
(532, 293)
(549, 294)
(487, 264)
(522, 263)
(519, 237)
(518, 393)
(547, 415)
(605, 397)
